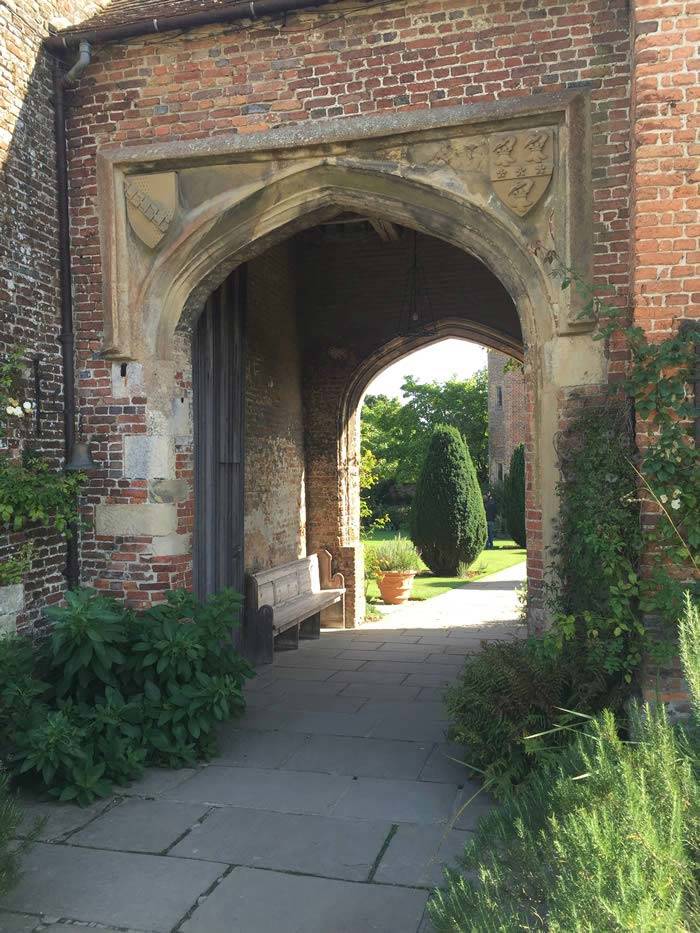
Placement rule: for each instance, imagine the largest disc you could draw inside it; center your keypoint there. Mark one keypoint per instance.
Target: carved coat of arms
(521, 165)
(151, 201)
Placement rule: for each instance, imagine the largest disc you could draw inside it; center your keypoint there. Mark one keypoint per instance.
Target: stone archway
(178, 219)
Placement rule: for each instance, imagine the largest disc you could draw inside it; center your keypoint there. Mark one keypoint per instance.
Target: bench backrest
(280, 584)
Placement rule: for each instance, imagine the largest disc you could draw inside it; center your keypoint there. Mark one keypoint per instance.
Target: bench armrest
(329, 580)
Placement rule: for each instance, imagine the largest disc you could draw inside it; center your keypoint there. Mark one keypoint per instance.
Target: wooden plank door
(218, 381)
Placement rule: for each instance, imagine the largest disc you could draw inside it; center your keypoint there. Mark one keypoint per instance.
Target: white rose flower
(27, 406)
(664, 499)
(17, 411)
(675, 504)
(9, 410)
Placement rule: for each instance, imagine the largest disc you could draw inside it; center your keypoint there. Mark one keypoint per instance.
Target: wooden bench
(290, 602)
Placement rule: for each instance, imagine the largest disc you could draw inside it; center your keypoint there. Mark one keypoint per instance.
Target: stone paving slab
(320, 722)
(444, 765)
(140, 826)
(310, 702)
(146, 892)
(397, 801)
(416, 855)
(255, 748)
(17, 923)
(262, 789)
(412, 730)
(57, 821)
(473, 803)
(314, 845)
(379, 691)
(359, 757)
(254, 901)
(156, 781)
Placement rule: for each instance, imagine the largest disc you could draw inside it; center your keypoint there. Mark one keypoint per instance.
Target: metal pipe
(81, 63)
(250, 9)
(67, 335)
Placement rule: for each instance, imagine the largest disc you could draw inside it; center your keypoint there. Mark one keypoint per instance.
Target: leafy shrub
(12, 571)
(110, 691)
(32, 492)
(514, 497)
(398, 555)
(514, 689)
(608, 839)
(448, 523)
(10, 818)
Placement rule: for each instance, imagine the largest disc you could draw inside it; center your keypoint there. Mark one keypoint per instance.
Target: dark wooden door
(218, 380)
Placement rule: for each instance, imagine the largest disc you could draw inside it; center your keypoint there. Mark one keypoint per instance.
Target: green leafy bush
(608, 839)
(448, 523)
(110, 690)
(397, 555)
(31, 492)
(10, 818)
(514, 497)
(514, 689)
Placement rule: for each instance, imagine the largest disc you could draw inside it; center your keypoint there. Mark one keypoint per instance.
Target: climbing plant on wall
(618, 562)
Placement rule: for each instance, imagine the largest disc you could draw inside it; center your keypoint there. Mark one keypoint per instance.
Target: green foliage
(396, 555)
(398, 433)
(608, 838)
(656, 381)
(15, 411)
(599, 542)
(448, 523)
(32, 493)
(10, 819)
(513, 497)
(13, 570)
(606, 841)
(511, 690)
(110, 691)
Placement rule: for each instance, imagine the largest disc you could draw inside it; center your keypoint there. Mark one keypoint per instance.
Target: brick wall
(507, 414)
(29, 308)
(316, 66)
(275, 494)
(666, 202)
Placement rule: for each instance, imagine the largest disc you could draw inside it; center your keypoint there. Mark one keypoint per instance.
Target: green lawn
(425, 586)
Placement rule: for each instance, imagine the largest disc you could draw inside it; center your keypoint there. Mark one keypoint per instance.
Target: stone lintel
(151, 519)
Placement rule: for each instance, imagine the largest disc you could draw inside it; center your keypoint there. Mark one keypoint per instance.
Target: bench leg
(334, 616)
(288, 640)
(258, 638)
(311, 627)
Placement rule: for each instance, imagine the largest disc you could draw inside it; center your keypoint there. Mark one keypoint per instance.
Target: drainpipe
(250, 9)
(67, 336)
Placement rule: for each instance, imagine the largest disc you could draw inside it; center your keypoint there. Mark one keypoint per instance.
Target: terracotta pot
(396, 587)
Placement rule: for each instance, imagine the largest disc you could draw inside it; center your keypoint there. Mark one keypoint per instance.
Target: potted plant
(394, 564)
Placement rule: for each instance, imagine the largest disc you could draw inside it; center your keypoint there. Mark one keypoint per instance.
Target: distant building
(507, 413)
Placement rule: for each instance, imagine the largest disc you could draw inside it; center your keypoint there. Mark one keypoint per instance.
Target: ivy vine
(605, 535)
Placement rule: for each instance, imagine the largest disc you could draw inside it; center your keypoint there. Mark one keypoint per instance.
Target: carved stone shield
(521, 165)
(151, 201)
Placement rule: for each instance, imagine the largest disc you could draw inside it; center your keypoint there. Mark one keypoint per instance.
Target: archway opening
(325, 310)
(480, 395)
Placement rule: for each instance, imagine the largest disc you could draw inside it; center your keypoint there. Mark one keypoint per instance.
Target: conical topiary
(448, 523)
(514, 497)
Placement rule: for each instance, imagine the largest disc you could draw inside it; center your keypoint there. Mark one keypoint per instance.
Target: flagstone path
(331, 808)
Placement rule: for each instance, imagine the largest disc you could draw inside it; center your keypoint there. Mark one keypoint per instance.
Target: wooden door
(218, 380)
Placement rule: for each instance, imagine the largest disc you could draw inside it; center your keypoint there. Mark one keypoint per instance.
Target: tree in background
(398, 433)
(513, 496)
(448, 523)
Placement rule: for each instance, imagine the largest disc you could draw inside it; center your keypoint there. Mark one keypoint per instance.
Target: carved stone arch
(231, 230)
(508, 183)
